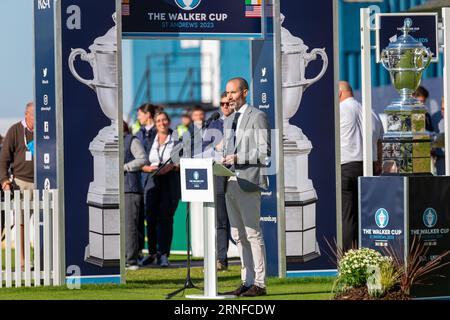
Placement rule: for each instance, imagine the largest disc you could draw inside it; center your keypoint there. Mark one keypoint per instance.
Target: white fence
(36, 213)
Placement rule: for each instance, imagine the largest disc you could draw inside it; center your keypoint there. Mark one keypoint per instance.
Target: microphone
(214, 117)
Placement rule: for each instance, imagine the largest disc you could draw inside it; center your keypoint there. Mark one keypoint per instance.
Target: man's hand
(149, 169)
(6, 185)
(230, 160)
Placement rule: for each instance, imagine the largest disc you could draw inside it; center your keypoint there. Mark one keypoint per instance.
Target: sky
(16, 62)
(16, 59)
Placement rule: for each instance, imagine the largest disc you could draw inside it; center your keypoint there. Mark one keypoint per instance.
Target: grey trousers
(134, 207)
(244, 214)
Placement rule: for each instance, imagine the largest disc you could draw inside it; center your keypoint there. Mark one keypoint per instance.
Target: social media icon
(45, 100)
(44, 72)
(47, 184)
(46, 158)
(263, 72)
(45, 126)
(264, 98)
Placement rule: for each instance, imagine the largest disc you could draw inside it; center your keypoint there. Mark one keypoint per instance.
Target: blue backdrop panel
(202, 19)
(263, 70)
(382, 197)
(429, 221)
(316, 117)
(45, 99)
(83, 119)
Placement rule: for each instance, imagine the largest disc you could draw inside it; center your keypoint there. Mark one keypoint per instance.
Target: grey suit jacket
(252, 148)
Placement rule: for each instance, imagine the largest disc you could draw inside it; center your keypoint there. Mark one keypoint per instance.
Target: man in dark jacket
(146, 136)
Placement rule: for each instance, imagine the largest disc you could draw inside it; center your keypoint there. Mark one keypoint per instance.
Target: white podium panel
(197, 183)
(197, 186)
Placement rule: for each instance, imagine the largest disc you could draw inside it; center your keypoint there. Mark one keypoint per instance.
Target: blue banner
(91, 164)
(429, 224)
(424, 29)
(382, 214)
(192, 18)
(45, 96)
(309, 134)
(263, 90)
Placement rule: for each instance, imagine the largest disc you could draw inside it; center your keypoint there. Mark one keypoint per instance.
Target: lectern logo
(430, 218)
(188, 4)
(382, 218)
(196, 175)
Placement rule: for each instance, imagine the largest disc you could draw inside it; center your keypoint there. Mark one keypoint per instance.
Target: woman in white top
(164, 198)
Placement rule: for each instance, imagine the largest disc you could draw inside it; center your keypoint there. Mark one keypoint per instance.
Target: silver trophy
(103, 195)
(300, 195)
(406, 144)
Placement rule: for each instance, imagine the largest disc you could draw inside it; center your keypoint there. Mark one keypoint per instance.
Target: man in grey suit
(247, 152)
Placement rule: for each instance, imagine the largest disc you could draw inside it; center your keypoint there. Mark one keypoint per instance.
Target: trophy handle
(85, 57)
(427, 56)
(313, 56)
(385, 60)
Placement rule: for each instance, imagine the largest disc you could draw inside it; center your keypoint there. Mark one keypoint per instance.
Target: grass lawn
(154, 284)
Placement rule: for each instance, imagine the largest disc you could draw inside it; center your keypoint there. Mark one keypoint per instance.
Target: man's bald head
(345, 90)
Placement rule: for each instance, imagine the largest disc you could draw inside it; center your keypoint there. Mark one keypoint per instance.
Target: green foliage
(383, 278)
(354, 268)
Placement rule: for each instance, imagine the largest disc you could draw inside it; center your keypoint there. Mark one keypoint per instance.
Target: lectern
(197, 185)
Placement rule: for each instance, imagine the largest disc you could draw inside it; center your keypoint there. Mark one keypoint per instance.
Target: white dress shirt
(241, 111)
(351, 131)
(159, 154)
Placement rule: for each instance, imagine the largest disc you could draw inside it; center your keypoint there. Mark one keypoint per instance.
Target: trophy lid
(290, 43)
(107, 42)
(406, 41)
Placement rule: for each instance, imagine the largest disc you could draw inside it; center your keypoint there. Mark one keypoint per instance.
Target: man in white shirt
(351, 130)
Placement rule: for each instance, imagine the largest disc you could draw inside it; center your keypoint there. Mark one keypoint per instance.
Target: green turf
(154, 284)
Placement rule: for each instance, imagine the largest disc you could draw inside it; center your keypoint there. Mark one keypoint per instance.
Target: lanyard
(25, 138)
(161, 155)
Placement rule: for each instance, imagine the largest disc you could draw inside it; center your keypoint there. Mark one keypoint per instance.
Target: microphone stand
(188, 284)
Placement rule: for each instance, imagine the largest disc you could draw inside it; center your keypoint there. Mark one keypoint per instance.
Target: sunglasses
(223, 104)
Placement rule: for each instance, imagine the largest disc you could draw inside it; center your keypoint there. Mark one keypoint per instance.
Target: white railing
(38, 213)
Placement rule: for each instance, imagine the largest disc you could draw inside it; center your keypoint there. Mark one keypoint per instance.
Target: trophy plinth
(300, 195)
(103, 200)
(406, 143)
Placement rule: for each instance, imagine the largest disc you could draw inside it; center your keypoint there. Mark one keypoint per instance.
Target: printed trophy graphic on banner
(300, 195)
(103, 194)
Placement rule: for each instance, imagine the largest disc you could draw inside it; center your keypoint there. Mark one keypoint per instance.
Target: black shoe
(254, 291)
(221, 265)
(148, 260)
(239, 291)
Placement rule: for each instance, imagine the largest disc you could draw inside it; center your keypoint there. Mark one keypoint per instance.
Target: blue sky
(16, 57)
(16, 61)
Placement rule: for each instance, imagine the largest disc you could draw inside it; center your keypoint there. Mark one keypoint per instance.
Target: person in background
(198, 116)
(16, 156)
(184, 125)
(164, 197)
(146, 136)
(195, 132)
(134, 159)
(351, 162)
(377, 146)
(210, 140)
(422, 94)
(438, 153)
